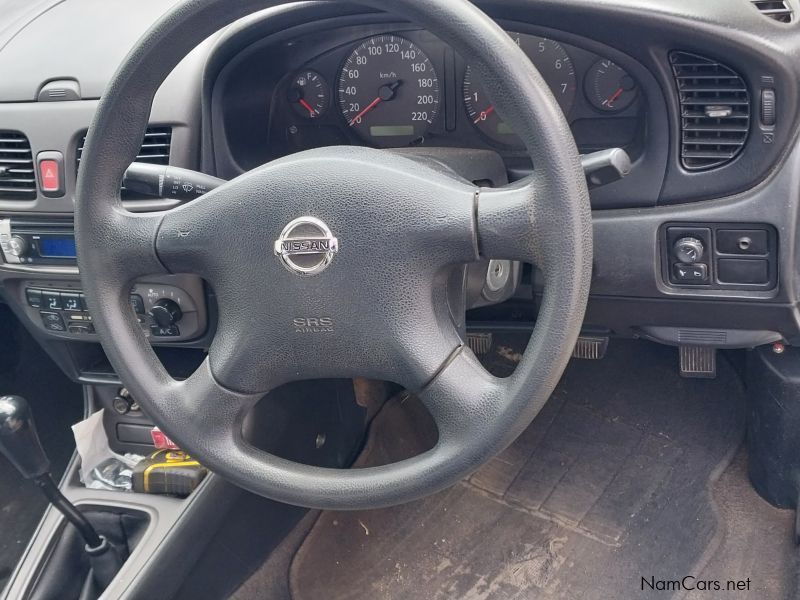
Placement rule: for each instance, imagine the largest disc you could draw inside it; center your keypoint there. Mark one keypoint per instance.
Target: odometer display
(389, 91)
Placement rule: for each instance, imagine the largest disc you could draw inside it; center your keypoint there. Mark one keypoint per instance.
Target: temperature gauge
(609, 88)
(309, 95)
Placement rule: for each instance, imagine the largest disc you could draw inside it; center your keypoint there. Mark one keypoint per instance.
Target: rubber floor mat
(609, 491)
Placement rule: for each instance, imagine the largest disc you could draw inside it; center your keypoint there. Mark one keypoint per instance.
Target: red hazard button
(51, 177)
(49, 172)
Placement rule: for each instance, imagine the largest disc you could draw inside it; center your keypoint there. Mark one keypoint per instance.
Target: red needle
(385, 92)
(482, 116)
(372, 105)
(308, 107)
(616, 95)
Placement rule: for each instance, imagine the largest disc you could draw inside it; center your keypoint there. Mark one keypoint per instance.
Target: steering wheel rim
(436, 222)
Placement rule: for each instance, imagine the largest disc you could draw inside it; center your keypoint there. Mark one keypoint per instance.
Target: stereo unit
(38, 242)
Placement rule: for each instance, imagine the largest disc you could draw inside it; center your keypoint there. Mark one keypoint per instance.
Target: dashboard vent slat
(17, 180)
(715, 111)
(155, 149)
(777, 10)
(722, 127)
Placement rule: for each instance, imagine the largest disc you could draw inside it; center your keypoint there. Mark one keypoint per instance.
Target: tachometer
(556, 68)
(389, 91)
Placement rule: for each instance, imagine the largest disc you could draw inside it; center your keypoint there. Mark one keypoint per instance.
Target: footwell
(627, 476)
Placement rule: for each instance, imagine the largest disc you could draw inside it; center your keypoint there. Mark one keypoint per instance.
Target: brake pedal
(698, 362)
(480, 343)
(590, 348)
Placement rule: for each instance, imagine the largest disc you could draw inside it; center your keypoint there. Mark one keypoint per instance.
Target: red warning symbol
(48, 170)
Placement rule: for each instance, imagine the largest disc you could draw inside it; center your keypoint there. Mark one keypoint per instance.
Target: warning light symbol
(50, 176)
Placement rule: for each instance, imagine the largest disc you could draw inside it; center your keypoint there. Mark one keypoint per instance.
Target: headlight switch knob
(689, 250)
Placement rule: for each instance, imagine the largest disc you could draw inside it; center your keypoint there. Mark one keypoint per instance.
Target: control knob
(689, 250)
(166, 313)
(123, 402)
(17, 246)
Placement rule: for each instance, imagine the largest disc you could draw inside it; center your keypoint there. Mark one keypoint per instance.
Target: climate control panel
(165, 312)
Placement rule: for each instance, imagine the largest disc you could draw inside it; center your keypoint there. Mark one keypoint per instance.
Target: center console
(42, 255)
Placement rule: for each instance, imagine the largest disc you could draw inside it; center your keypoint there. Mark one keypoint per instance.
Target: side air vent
(778, 10)
(155, 150)
(17, 179)
(715, 111)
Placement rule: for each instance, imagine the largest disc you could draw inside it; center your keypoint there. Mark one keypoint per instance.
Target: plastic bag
(101, 467)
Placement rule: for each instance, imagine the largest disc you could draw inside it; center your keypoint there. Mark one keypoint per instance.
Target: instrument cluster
(410, 89)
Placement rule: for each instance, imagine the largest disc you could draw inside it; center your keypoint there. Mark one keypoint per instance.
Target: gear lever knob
(19, 442)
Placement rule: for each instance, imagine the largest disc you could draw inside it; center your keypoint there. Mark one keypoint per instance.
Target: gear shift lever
(19, 443)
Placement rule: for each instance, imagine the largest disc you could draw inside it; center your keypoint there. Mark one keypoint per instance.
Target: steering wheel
(333, 263)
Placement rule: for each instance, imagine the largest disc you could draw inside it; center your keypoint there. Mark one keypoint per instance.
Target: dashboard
(697, 246)
(703, 97)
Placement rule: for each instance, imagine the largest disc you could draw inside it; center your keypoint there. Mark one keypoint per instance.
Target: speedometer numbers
(388, 91)
(556, 68)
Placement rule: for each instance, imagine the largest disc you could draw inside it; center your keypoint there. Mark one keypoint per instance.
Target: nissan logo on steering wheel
(306, 246)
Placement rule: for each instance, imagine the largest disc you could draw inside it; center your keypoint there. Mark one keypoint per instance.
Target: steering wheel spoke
(462, 398)
(511, 221)
(126, 245)
(207, 411)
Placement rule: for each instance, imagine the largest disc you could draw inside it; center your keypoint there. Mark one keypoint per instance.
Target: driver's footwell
(629, 478)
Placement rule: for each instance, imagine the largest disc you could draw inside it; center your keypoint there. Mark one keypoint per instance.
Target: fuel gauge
(309, 94)
(609, 88)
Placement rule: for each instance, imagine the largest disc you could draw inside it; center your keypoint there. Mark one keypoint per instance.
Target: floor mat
(613, 489)
(756, 539)
(57, 403)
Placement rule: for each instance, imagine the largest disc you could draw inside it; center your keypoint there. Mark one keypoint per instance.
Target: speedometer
(389, 91)
(556, 68)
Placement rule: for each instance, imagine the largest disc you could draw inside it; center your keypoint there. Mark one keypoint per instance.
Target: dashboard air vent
(17, 179)
(778, 10)
(155, 150)
(715, 111)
